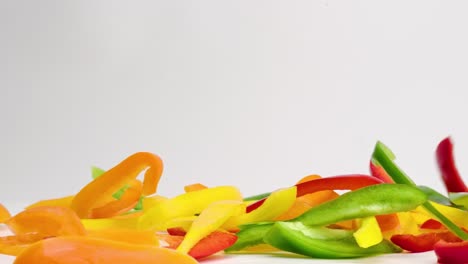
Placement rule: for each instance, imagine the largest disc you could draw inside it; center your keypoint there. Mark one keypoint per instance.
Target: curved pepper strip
(379, 172)
(47, 221)
(127, 201)
(62, 201)
(129, 221)
(446, 163)
(137, 237)
(209, 245)
(81, 249)
(186, 204)
(423, 242)
(385, 158)
(99, 192)
(4, 214)
(451, 253)
(342, 182)
(320, 242)
(209, 220)
(368, 233)
(276, 204)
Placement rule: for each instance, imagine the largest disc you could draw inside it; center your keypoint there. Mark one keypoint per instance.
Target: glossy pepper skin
(341, 182)
(80, 250)
(384, 156)
(98, 193)
(451, 253)
(448, 170)
(320, 242)
(368, 201)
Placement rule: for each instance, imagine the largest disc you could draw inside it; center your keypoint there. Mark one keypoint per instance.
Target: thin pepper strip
(451, 253)
(186, 204)
(209, 220)
(446, 163)
(381, 154)
(47, 221)
(422, 242)
(127, 201)
(99, 192)
(4, 214)
(341, 182)
(279, 202)
(81, 249)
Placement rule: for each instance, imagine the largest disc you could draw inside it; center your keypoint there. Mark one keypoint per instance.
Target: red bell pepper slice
(342, 182)
(445, 161)
(451, 253)
(423, 242)
(209, 245)
(379, 172)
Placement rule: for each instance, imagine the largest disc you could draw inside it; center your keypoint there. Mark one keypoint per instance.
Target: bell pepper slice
(279, 202)
(209, 221)
(368, 233)
(305, 202)
(82, 249)
(379, 172)
(186, 204)
(422, 242)
(459, 198)
(385, 158)
(129, 221)
(320, 242)
(127, 201)
(62, 201)
(4, 214)
(209, 245)
(451, 253)
(250, 235)
(194, 187)
(342, 182)
(368, 201)
(446, 164)
(132, 236)
(46, 221)
(99, 192)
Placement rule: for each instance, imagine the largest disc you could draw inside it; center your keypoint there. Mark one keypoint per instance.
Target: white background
(255, 94)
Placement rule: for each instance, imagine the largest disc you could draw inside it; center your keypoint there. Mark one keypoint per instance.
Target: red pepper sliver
(451, 253)
(209, 245)
(432, 224)
(176, 231)
(445, 161)
(423, 242)
(341, 182)
(380, 173)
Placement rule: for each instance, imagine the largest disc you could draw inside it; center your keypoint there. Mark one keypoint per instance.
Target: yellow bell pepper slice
(209, 221)
(368, 233)
(275, 205)
(186, 204)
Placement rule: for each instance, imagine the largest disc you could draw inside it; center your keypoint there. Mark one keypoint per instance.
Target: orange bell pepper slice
(46, 221)
(63, 201)
(194, 187)
(138, 237)
(81, 249)
(128, 201)
(98, 193)
(4, 214)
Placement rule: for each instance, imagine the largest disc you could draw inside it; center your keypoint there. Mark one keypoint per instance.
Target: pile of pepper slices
(117, 218)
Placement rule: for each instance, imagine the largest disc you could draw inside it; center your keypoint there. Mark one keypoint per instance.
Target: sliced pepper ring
(99, 192)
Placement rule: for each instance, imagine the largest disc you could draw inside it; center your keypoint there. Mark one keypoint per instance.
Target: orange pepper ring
(99, 192)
